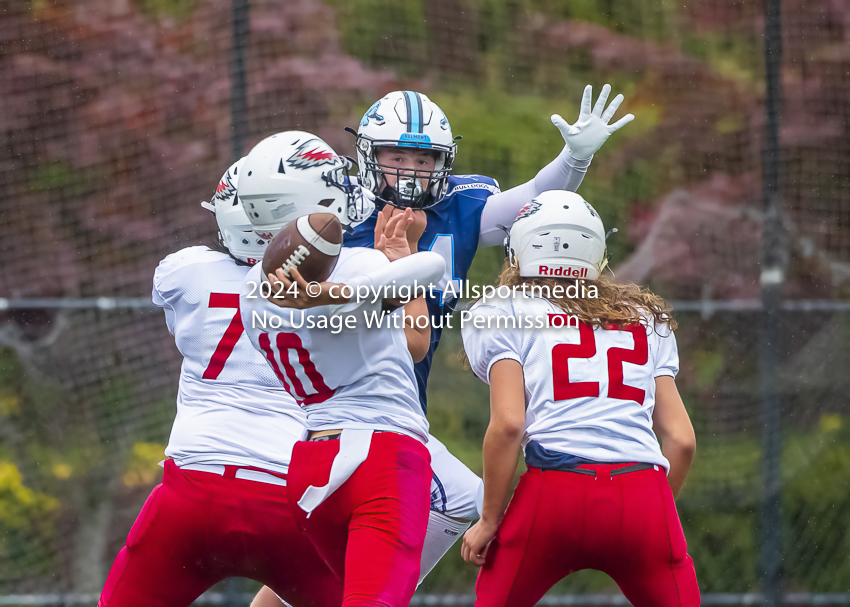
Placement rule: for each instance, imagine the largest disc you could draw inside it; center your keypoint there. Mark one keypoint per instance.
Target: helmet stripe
(414, 112)
(420, 113)
(406, 95)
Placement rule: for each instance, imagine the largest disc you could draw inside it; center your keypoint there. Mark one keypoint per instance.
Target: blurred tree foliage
(70, 446)
(116, 120)
(178, 10)
(500, 69)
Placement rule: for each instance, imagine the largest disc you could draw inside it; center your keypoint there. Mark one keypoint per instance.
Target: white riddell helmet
(235, 231)
(294, 173)
(409, 120)
(558, 233)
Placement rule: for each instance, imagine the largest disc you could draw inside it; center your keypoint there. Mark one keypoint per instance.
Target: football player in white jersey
(359, 483)
(405, 150)
(581, 376)
(221, 509)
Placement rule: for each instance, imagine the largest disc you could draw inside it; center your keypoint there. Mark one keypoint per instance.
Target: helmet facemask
(359, 204)
(407, 191)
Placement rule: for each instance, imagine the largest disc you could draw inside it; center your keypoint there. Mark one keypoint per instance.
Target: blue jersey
(453, 227)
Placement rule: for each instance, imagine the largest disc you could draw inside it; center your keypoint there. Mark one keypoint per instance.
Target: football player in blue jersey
(405, 153)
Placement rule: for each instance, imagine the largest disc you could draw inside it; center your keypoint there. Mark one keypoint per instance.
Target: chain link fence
(118, 117)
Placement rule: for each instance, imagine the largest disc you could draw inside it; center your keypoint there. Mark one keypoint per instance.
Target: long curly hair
(616, 305)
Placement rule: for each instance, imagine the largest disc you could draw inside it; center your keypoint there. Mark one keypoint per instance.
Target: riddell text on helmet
(563, 271)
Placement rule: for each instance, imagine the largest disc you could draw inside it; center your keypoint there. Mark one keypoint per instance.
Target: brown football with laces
(311, 244)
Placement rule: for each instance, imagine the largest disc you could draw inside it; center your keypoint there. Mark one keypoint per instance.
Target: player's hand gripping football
(397, 231)
(476, 541)
(303, 295)
(587, 134)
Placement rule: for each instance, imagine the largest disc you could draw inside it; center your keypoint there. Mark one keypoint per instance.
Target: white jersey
(357, 378)
(231, 409)
(589, 393)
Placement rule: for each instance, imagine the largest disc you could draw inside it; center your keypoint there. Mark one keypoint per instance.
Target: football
(310, 243)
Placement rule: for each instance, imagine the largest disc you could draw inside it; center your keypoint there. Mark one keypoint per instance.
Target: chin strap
(507, 244)
(604, 263)
(389, 196)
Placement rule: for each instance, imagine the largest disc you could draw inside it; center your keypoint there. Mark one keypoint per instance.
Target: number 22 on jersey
(564, 389)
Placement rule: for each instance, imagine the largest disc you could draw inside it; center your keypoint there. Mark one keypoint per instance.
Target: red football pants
(197, 528)
(560, 522)
(370, 531)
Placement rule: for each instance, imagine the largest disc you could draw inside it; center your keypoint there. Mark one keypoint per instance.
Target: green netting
(115, 121)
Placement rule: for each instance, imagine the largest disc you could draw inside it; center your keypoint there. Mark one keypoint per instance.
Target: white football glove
(591, 129)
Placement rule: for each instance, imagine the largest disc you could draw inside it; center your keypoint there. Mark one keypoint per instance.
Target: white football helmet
(235, 231)
(294, 173)
(558, 233)
(410, 120)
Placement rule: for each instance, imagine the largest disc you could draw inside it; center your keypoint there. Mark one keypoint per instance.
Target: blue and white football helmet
(405, 119)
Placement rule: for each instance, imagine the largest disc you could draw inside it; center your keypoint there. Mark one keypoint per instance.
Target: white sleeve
(667, 355)
(563, 173)
(159, 299)
(419, 271)
(486, 342)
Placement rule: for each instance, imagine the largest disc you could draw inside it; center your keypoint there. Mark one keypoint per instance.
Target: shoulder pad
(467, 183)
(185, 258)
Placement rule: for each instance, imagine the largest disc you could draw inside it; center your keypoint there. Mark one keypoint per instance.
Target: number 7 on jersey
(228, 341)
